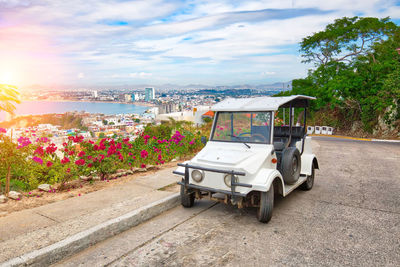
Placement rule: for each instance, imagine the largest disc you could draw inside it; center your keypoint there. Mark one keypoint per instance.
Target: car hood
(236, 157)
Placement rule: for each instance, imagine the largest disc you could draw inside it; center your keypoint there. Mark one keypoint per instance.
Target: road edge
(80, 241)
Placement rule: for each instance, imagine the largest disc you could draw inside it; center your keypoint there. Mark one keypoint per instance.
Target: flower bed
(36, 160)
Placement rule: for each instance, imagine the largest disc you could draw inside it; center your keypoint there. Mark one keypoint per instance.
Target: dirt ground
(74, 188)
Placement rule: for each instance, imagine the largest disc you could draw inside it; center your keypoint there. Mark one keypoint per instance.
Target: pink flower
(49, 164)
(191, 142)
(38, 160)
(144, 154)
(90, 165)
(143, 166)
(81, 154)
(119, 146)
(2, 130)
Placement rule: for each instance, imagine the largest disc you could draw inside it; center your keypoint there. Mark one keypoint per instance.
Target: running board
(290, 187)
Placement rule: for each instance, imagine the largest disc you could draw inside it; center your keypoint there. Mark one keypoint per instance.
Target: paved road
(350, 217)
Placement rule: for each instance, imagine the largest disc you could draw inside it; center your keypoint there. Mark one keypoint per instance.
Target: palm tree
(8, 94)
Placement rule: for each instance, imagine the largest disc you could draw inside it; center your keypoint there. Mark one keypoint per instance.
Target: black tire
(291, 165)
(187, 198)
(309, 182)
(264, 213)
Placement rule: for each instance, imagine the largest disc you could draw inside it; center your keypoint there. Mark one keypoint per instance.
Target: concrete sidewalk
(35, 229)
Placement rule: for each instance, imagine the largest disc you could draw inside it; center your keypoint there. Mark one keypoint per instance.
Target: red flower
(143, 166)
(2, 130)
(65, 160)
(39, 151)
(90, 165)
(81, 154)
(80, 162)
(68, 170)
(119, 146)
(71, 153)
(49, 164)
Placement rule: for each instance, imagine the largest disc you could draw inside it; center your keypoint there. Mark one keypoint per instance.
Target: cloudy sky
(115, 42)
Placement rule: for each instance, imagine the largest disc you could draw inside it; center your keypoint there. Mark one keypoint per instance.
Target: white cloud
(267, 73)
(190, 41)
(140, 75)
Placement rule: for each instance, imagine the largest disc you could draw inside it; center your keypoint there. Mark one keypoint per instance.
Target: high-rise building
(149, 94)
(95, 94)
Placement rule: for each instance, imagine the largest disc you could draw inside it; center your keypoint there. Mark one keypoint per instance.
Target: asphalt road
(350, 217)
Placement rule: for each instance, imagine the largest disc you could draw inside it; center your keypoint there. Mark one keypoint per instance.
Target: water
(46, 107)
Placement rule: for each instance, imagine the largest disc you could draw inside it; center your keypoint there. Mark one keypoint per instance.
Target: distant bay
(47, 107)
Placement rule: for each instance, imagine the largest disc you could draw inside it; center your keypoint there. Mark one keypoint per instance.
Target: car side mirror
(203, 140)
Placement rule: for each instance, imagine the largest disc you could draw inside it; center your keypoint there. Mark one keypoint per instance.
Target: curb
(75, 243)
(356, 138)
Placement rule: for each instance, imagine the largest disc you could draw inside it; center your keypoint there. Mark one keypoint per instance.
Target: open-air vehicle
(252, 154)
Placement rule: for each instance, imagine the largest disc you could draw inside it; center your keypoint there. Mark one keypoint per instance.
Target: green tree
(353, 58)
(9, 96)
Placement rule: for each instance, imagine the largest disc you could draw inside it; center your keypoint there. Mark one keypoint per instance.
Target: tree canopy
(356, 69)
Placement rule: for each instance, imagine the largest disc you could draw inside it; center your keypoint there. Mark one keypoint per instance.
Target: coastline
(143, 104)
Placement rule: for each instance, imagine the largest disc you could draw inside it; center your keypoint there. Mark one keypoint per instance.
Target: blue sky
(105, 43)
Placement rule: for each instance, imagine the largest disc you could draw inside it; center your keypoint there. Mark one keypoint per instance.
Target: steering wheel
(259, 138)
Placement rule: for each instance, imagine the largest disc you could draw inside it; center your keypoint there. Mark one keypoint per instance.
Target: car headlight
(197, 176)
(227, 179)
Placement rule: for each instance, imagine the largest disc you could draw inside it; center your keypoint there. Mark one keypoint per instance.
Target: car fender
(307, 161)
(264, 178)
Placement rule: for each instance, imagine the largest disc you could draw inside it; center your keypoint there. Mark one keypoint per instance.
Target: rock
(96, 178)
(149, 167)
(14, 195)
(85, 178)
(174, 160)
(142, 169)
(3, 199)
(129, 172)
(44, 187)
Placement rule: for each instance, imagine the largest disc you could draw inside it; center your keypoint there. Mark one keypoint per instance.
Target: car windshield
(249, 127)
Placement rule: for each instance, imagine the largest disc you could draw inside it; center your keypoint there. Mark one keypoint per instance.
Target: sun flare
(8, 77)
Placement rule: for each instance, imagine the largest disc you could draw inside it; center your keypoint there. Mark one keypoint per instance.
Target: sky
(211, 42)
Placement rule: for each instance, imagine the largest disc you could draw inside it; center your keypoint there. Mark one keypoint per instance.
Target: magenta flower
(144, 154)
(38, 160)
(49, 164)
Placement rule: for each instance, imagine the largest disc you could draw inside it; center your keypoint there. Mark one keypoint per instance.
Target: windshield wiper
(237, 137)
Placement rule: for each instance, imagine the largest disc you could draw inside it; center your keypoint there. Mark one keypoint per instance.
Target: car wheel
(309, 182)
(187, 198)
(264, 213)
(291, 165)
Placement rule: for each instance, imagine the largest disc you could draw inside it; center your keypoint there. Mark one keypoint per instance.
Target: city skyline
(155, 42)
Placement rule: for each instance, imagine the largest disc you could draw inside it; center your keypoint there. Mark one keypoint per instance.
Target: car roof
(265, 103)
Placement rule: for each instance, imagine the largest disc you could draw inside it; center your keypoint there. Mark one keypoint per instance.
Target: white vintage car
(255, 150)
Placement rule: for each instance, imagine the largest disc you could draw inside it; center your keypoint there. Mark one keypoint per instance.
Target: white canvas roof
(264, 103)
